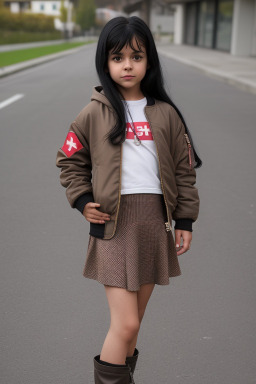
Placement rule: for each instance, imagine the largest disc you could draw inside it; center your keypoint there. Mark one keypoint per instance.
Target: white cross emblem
(142, 130)
(71, 144)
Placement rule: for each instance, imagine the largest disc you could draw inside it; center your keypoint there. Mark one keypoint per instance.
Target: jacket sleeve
(74, 160)
(187, 209)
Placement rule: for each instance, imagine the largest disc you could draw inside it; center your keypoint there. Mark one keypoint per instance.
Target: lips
(127, 77)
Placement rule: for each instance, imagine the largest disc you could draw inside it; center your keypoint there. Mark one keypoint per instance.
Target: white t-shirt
(140, 171)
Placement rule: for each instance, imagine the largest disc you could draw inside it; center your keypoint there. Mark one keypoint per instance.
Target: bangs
(121, 37)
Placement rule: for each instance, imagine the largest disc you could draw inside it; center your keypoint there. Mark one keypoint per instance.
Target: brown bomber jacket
(91, 166)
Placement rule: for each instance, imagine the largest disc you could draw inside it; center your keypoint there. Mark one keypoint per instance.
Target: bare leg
(143, 296)
(124, 324)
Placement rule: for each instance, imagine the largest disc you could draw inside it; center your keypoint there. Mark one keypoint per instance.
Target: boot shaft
(112, 374)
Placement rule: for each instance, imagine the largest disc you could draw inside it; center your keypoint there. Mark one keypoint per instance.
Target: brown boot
(111, 373)
(132, 360)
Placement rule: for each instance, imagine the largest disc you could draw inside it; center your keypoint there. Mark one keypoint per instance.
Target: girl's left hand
(187, 238)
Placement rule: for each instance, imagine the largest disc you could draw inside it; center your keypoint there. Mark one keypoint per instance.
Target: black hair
(116, 34)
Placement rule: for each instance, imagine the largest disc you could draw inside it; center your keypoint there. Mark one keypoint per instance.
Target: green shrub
(15, 37)
(25, 22)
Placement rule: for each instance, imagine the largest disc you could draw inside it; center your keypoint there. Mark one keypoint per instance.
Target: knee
(129, 329)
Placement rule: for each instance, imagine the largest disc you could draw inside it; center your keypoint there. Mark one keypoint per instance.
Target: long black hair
(116, 34)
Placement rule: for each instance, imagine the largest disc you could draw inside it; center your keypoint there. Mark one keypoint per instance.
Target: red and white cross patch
(72, 144)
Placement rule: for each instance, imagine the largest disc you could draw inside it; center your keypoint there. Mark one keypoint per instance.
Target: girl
(128, 165)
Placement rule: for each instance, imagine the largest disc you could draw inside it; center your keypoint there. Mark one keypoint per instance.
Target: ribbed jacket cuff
(185, 224)
(83, 200)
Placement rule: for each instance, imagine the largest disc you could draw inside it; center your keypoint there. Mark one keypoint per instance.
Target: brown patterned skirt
(140, 252)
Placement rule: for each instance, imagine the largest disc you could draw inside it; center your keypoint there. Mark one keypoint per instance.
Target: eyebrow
(121, 54)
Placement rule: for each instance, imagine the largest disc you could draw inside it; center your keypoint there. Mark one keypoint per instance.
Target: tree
(63, 12)
(63, 18)
(85, 14)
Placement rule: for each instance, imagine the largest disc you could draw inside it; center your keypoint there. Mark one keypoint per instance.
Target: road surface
(200, 329)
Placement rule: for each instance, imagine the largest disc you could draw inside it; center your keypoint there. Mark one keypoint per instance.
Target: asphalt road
(200, 329)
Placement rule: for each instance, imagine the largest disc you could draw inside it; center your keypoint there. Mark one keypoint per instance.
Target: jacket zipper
(119, 194)
(189, 150)
(168, 226)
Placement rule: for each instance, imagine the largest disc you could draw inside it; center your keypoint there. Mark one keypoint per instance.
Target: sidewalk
(13, 47)
(236, 70)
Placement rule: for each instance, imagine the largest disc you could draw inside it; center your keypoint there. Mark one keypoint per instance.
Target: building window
(41, 7)
(209, 24)
(54, 7)
(224, 25)
(190, 33)
(206, 24)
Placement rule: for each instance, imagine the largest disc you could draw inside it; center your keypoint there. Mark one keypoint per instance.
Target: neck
(131, 94)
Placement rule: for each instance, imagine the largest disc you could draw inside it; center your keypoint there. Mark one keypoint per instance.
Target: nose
(127, 64)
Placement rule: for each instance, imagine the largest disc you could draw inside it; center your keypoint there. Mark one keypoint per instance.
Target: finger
(185, 247)
(95, 221)
(98, 214)
(91, 208)
(177, 238)
(90, 205)
(93, 205)
(97, 217)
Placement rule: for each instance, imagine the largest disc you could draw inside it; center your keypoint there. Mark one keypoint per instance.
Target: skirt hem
(127, 288)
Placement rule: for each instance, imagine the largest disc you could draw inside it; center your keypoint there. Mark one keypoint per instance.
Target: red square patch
(72, 144)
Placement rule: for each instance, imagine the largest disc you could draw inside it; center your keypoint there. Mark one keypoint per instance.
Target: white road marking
(11, 100)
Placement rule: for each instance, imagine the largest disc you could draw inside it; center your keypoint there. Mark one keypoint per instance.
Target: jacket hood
(99, 95)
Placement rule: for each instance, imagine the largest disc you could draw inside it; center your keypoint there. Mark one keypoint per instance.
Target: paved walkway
(237, 70)
(13, 47)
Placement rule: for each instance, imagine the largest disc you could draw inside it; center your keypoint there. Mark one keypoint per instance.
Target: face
(127, 68)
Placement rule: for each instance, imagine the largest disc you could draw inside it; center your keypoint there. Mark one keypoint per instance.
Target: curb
(231, 79)
(10, 69)
(34, 44)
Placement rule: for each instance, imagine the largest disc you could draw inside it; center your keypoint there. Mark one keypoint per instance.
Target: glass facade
(205, 24)
(191, 15)
(209, 23)
(224, 22)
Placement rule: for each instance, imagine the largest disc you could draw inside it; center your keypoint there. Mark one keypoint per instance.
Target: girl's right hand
(93, 215)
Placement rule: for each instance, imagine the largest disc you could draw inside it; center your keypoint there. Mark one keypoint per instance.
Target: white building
(46, 7)
(52, 8)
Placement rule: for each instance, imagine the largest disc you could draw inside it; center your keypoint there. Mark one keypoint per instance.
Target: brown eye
(117, 57)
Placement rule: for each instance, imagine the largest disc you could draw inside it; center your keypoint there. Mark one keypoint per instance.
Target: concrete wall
(166, 23)
(242, 27)
(179, 24)
(254, 32)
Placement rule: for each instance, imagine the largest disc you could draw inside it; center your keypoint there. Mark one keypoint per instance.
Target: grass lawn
(13, 57)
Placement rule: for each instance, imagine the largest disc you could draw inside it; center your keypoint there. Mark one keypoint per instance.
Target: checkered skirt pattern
(140, 252)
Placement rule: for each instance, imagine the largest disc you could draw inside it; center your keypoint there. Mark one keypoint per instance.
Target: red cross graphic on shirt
(142, 129)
